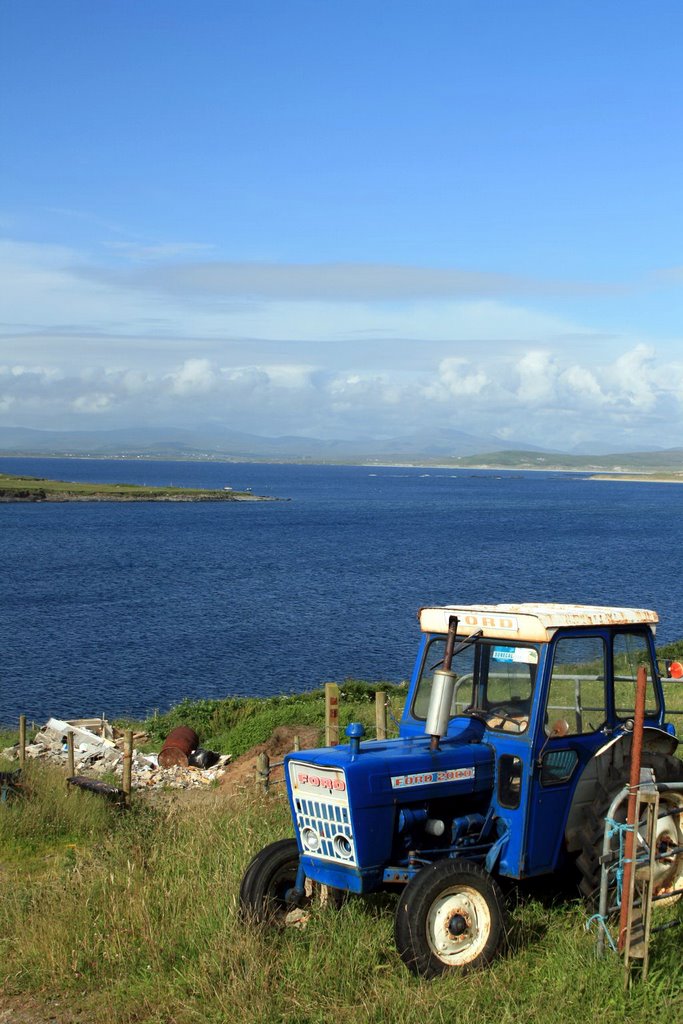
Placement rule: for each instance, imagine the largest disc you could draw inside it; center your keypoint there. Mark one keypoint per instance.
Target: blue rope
(620, 829)
(602, 923)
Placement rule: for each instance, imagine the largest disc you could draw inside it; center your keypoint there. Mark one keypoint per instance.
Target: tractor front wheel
(451, 915)
(268, 879)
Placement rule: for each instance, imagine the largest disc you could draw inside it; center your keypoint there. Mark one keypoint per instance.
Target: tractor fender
(611, 754)
(655, 741)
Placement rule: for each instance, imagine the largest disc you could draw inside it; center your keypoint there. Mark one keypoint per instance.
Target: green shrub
(235, 724)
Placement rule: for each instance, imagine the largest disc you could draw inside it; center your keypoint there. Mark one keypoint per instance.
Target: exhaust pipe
(443, 686)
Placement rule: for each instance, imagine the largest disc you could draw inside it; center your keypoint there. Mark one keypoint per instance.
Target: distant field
(653, 466)
(31, 488)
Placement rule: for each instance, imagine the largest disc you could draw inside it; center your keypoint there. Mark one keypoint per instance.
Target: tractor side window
(576, 699)
(509, 780)
(631, 650)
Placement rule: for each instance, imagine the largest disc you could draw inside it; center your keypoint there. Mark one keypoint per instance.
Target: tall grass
(133, 918)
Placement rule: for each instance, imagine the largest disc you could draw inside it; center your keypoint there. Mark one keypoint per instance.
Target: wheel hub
(457, 924)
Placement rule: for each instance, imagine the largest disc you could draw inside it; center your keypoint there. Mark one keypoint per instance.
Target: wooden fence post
(381, 714)
(263, 771)
(127, 765)
(22, 740)
(331, 714)
(70, 762)
(297, 742)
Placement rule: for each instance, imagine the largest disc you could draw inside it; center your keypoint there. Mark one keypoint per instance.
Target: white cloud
(633, 376)
(581, 383)
(95, 402)
(327, 282)
(195, 376)
(329, 351)
(538, 373)
(458, 378)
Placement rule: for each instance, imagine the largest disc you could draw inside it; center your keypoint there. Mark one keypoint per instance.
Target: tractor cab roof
(533, 622)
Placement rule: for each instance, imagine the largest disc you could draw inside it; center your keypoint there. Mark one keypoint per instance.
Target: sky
(344, 218)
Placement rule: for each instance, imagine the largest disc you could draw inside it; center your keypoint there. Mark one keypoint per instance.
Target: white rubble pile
(101, 755)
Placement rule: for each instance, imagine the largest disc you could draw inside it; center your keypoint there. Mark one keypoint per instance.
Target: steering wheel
(505, 715)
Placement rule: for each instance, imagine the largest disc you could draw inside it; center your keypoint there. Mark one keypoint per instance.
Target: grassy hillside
(117, 918)
(132, 918)
(235, 724)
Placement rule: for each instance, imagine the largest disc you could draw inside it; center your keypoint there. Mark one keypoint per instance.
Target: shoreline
(587, 472)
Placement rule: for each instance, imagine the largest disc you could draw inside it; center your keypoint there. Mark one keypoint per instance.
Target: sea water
(122, 608)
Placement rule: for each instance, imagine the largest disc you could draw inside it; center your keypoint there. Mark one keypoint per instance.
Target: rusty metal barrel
(178, 746)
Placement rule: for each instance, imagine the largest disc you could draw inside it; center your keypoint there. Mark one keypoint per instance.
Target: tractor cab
(552, 686)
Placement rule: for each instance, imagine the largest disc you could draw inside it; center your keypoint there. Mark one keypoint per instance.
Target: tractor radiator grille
(322, 811)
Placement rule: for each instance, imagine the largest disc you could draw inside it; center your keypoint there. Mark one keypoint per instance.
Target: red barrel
(178, 746)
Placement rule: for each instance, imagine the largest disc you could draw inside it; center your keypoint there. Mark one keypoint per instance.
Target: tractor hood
(346, 800)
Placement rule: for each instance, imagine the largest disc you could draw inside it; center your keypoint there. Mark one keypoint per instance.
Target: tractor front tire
(450, 916)
(590, 835)
(268, 878)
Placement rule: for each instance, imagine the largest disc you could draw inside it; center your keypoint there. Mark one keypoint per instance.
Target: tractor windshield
(495, 682)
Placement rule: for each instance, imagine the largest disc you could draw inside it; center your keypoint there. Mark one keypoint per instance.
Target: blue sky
(349, 218)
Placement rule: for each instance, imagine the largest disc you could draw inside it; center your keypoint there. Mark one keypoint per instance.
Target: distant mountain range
(219, 443)
(452, 447)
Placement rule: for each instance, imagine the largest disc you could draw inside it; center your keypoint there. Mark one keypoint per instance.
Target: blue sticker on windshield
(503, 653)
(525, 655)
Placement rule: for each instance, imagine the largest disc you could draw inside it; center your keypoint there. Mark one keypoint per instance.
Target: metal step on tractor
(515, 737)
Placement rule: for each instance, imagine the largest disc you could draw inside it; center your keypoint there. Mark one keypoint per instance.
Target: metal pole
(70, 763)
(381, 714)
(127, 765)
(22, 740)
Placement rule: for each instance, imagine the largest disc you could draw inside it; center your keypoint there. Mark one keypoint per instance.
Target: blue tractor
(515, 737)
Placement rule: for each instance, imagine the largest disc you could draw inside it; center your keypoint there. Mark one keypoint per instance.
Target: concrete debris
(100, 755)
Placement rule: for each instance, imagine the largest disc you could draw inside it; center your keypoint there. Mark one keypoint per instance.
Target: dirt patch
(27, 1010)
(241, 773)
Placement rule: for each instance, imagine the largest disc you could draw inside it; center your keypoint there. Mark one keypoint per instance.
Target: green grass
(132, 918)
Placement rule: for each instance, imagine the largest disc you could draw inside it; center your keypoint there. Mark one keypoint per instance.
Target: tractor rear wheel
(267, 880)
(669, 871)
(450, 916)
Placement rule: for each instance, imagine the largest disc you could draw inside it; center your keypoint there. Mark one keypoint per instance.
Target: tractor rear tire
(450, 917)
(269, 875)
(669, 831)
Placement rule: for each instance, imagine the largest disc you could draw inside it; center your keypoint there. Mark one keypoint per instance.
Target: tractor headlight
(342, 846)
(310, 839)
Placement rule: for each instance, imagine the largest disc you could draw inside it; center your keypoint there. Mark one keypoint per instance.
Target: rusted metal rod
(634, 783)
(450, 642)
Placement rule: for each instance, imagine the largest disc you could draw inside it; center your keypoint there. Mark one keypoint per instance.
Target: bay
(122, 608)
